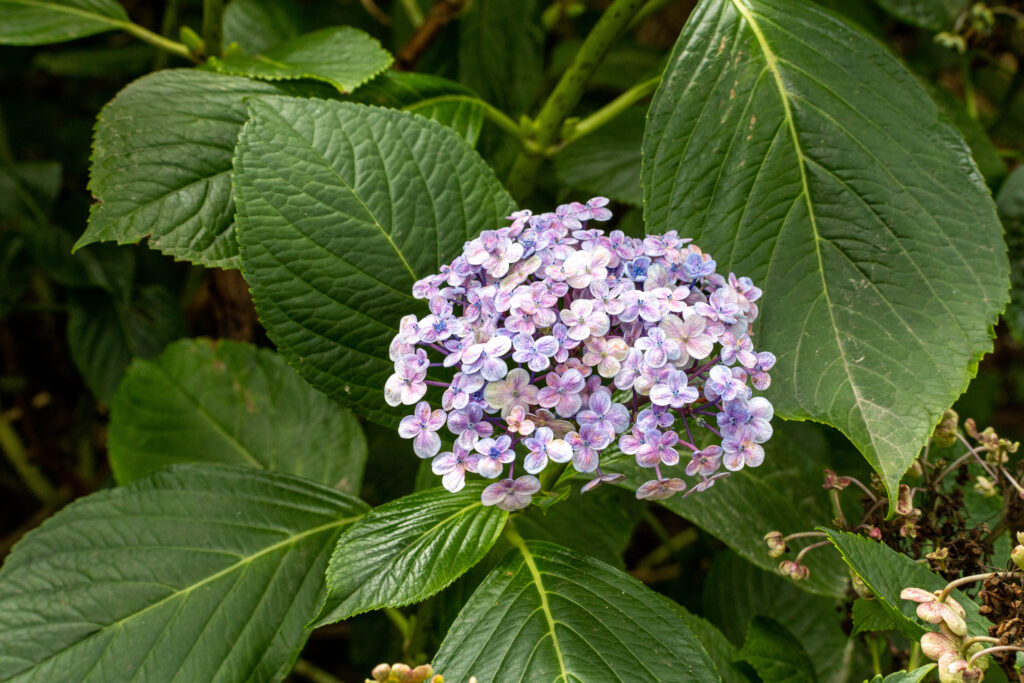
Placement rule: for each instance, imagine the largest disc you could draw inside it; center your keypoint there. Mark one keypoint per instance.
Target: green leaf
(343, 56)
(935, 15)
(259, 24)
(914, 676)
(719, 649)
(447, 102)
(736, 592)
(775, 653)
(550, 614)
(27, 186)
(607, 162)
(105, 333)
(984, 151)
(407, 550)
(599, 523)
(887, 572)
(204, 572)
(870, 615)
(37, 22)
(228, 402)
(161, 164)
(335, 229)
(501, 54)
(799, 152)
(1010, 201)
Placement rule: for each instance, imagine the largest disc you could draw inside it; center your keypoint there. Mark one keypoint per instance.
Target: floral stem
(805, 534)
(490, 112)
(17, 455)
(155, 39)
(567, 93)
(213, 21)
(311, 672)
(551, 475)
(800, 555)
(971, 579)
(998, 648)
(611, 110)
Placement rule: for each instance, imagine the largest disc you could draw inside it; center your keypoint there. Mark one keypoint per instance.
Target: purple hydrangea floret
(550, 341)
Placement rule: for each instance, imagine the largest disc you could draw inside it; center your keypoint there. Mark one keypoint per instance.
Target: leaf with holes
(341, 208)
(343, 56)
(37, 22)
(161, 164)
(550, 614)
(409, 549)
(224, 401)
(204, 572)
(799, 152)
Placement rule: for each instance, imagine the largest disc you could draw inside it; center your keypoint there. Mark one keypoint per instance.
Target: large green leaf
(198, 573)
(936, 15)
(887, 572)
(797, 151)
(736, 592)
(905, 676)
(161, 164)
(447, 102)
(341, 208)
(721, 651)
(105, 332)
(549, 614)
(775, 653)
(37, 22)
(208, 401)
(259, 24)
(501, 52)
(409, 549)
(1010, 201)
(343, 56)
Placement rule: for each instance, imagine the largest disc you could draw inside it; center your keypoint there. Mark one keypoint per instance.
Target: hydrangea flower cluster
(564, 341)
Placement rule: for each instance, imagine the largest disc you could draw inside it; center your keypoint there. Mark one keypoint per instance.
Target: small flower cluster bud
(859, 587)
(997, 450)
(776, 543)
(794, 570)
(834, 481)
(553, 341)
(944, 435)
(949, 645)
(1017, 554)
(986, 486)
(403, 673)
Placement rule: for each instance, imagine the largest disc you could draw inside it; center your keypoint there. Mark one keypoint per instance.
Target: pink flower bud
(776, 544)
(935, 645)
(793, 570)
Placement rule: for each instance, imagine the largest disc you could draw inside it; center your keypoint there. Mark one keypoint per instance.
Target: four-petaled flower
(583, 321)
(453, 465)
(543, 446)
(493, 454)
(660, 489)
(422, 428)
(562, 392)
(657, 449)
(604, 414)
(514, 390)
(674, 392)
(586, 445)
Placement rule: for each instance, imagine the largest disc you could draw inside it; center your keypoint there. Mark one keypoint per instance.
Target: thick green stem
(551, 475)
(17, 455)
(608, 112)
(413, 11)
(492, 114)
(213, 23)
(547, 127)
(155, 39)
(311, 672)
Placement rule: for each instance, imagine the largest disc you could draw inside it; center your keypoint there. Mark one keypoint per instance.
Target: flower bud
(905, 501)
(935, 645)
(860, 588)
(402, 673)
(954, 42)
(944, 435)
(986, 487)
(776, 544)
(794, 570)
(1017, 555)
(421, 673)
(834, 481)
(981, 662)
(875, 533)
(381, 672)
(949, 669)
